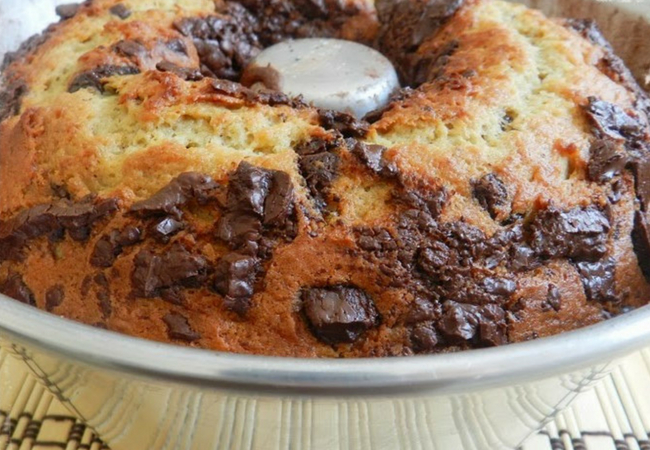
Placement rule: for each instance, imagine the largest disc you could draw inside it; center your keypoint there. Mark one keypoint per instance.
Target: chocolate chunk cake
(502, 195)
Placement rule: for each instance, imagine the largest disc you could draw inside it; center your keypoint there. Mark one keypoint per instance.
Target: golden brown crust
(490, 158)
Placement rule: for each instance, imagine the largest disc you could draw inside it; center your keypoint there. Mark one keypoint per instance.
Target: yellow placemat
(615, 415)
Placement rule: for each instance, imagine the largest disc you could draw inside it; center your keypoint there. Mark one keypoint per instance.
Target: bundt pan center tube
(499, 197)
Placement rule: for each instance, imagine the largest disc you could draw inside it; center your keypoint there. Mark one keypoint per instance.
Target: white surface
(20, 19)
(332, 74)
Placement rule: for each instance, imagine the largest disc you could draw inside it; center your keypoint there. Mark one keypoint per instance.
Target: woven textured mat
(615, 415)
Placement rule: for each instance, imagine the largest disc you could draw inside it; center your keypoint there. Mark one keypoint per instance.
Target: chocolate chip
(235, 276)
(431, 68)
(54, 297)
(404, 26)
(579, 233)
(344, 123)
(187, 186)
(424, 338)
(501, 287)
(248, 189)
(111, 245)
(179, 328)
(605, 161)
(339, 314)
(279, 203)
(131, 49)
(175, 268)
(429, 200)
(641, 171)
(120, 11)
(319, 171)
(462, 322)
(67, 11)
(598, 279)
(186, 73)
(62, 215)
(11, 98)
(177, 45)
(523, 258)
(641, 242)
(492, 195)
(15, 287)
(240, 230)
(103, 294)
(372, 156)
(94, 78)
(611, 122)
(421, 310)
(166, 228)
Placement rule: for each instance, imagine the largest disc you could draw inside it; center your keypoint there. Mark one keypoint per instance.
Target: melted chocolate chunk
(131, 49)
(177, 268)
(343, 123)
(404, 26)
(120, 11)
(372, 155)
(179, 328)
(598, 279)
(491, 194)
(605, 161)
(54, 297)
(422, 310)
(235, 276)
(641, 242)
(553, 297)
(186, 73)
(111, 245)
(166, 228)
(611, 122)
(95, 78)
(339, 314)
(15, 287)
(431, 68)
(428, 200)
(424, 338)
(46, 219)
(67, 11)
(641, 171)
(461, 322)
(187, 186)
(279, 203)
(580, 233)
(319, 171)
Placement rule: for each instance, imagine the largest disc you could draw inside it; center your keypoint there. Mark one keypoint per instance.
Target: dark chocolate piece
(103, 294)
(179, 328)
(424, 338)
(235, 276)
(186, 73)
(166, 228)
(605, 161)
(611, 122)
(491, 194)
(94, 78)
(54, 297)
(422, 310)
(111, 245)
(131, 49)
(344, 123)
(187, 186)
(553, 297)
(641, 171)
(598, 279)
(372, 155)
(580, 233)
(462, 322)
(15, 287)
(339, 314)
(120, 11)
(174, 269)
(67, 11)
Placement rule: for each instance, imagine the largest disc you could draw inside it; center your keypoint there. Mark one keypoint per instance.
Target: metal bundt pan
(141, 395)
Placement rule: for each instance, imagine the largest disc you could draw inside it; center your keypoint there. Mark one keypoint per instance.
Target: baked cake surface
(501, 196)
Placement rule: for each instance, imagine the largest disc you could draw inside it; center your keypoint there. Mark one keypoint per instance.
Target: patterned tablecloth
(615, 415)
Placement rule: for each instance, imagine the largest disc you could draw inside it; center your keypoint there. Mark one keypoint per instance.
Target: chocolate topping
(120, 11)
(338, 314)
(179, 328)
(492, 195)
(598, 279)
(641, 242)
(57, 217)
(15, 287)
(405, 26)
(372, 155)
(187, 186)
(606, 160)
(95, 78)
(176, 268)
(111, 245)
(580, 233)
(186, 73)
(54, 297)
